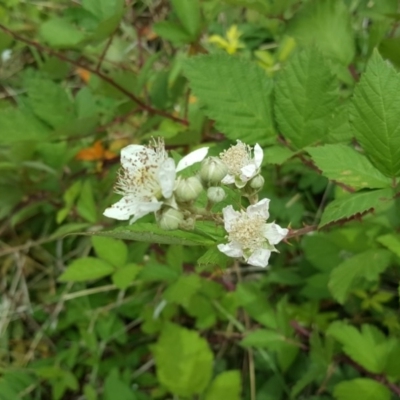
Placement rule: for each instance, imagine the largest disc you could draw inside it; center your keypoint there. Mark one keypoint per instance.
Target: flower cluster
(148, 182)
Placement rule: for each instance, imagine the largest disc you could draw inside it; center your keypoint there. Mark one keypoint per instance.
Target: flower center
(248, 231)
(236, 157)
(141, 178)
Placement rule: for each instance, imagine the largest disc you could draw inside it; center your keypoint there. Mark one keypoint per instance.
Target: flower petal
(128, 206)
(230, 216)
(259, 209)
(192, 158)
(274, 233)
(258, 155)
(129, 157)
(248, 171)
(231, 249)
(259, 258)
(228, 179)
(166, 177)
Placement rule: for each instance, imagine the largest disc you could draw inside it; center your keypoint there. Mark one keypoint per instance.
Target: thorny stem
(95, 71)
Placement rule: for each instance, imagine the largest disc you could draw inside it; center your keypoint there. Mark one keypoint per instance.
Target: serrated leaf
(60, 34)
(354, 204)
(147, 232)
(183, 360)
(368, 265)
(277, 155)
(327, 24)
(111, 250)
(391, 241)
(17, 125)
(262, 338)
(181, 291)
(306, 96)
(124, 276)
(346, 165)
(172, 31)
(226, 385)
(103, 9)
(86, 205)
(85, 269)
(236, 94)
(116, 389)
(361, 388)
(374, 115)
(49, 102)
(213, 258)
(366, 347)
(188, 12)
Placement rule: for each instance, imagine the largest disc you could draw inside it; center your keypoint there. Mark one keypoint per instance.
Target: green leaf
(147, 232)
(117, 389)
(60, 34)
(366, 347)
(226, 385)
(111, 250)
(85, 269)
(391, 241)
(213, 258)
(50, 102)
(157, 272)
(354, 204)
(183, 360)
(306, 96)
(236, 94)
(346, 165)
(86, 205)
(262, 338)
(369, 265)
(104, 9)
(188, 12)
(326, 24)
(124, 276)
(374, 115)
(361, 388)
(172, 31)
(181, 291)
(17, 125)
(277, 155)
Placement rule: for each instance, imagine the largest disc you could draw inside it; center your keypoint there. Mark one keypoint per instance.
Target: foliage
(95, 309)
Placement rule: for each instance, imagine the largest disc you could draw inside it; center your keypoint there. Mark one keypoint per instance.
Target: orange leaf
(95, 153)
(84, 74)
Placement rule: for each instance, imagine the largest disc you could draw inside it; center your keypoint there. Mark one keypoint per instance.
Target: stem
(96, 72)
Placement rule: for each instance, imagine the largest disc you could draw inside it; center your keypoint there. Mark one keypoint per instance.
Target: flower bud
(212, 171)
(215, 194)
(257, 182)
(188, 189)
(170, 219)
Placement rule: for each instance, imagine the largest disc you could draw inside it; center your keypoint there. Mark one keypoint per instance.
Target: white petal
(145, 208)
(129, 157)
(166, 177)
(274, 233)
(259, 258)
(230, 216)
(231, 249)
(192, 158)
(128, 206)
(258, 155)
(259, 209)
(248, 171)
(228, 179)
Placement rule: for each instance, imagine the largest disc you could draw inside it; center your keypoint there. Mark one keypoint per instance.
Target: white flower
(242, 166)
(147, 179)
(249, 235)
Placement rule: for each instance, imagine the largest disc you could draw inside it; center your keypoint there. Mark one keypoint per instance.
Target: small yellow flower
(231, 44)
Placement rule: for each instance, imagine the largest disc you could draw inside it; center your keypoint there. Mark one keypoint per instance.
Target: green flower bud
(257, 182)
(170, 219)
(215, 194)
(212, 171)
(188, 189)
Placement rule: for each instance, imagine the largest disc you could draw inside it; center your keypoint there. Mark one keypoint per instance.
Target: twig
(94, 71)
(103, 53)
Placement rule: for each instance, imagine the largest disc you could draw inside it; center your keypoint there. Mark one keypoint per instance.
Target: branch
(96, 72)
